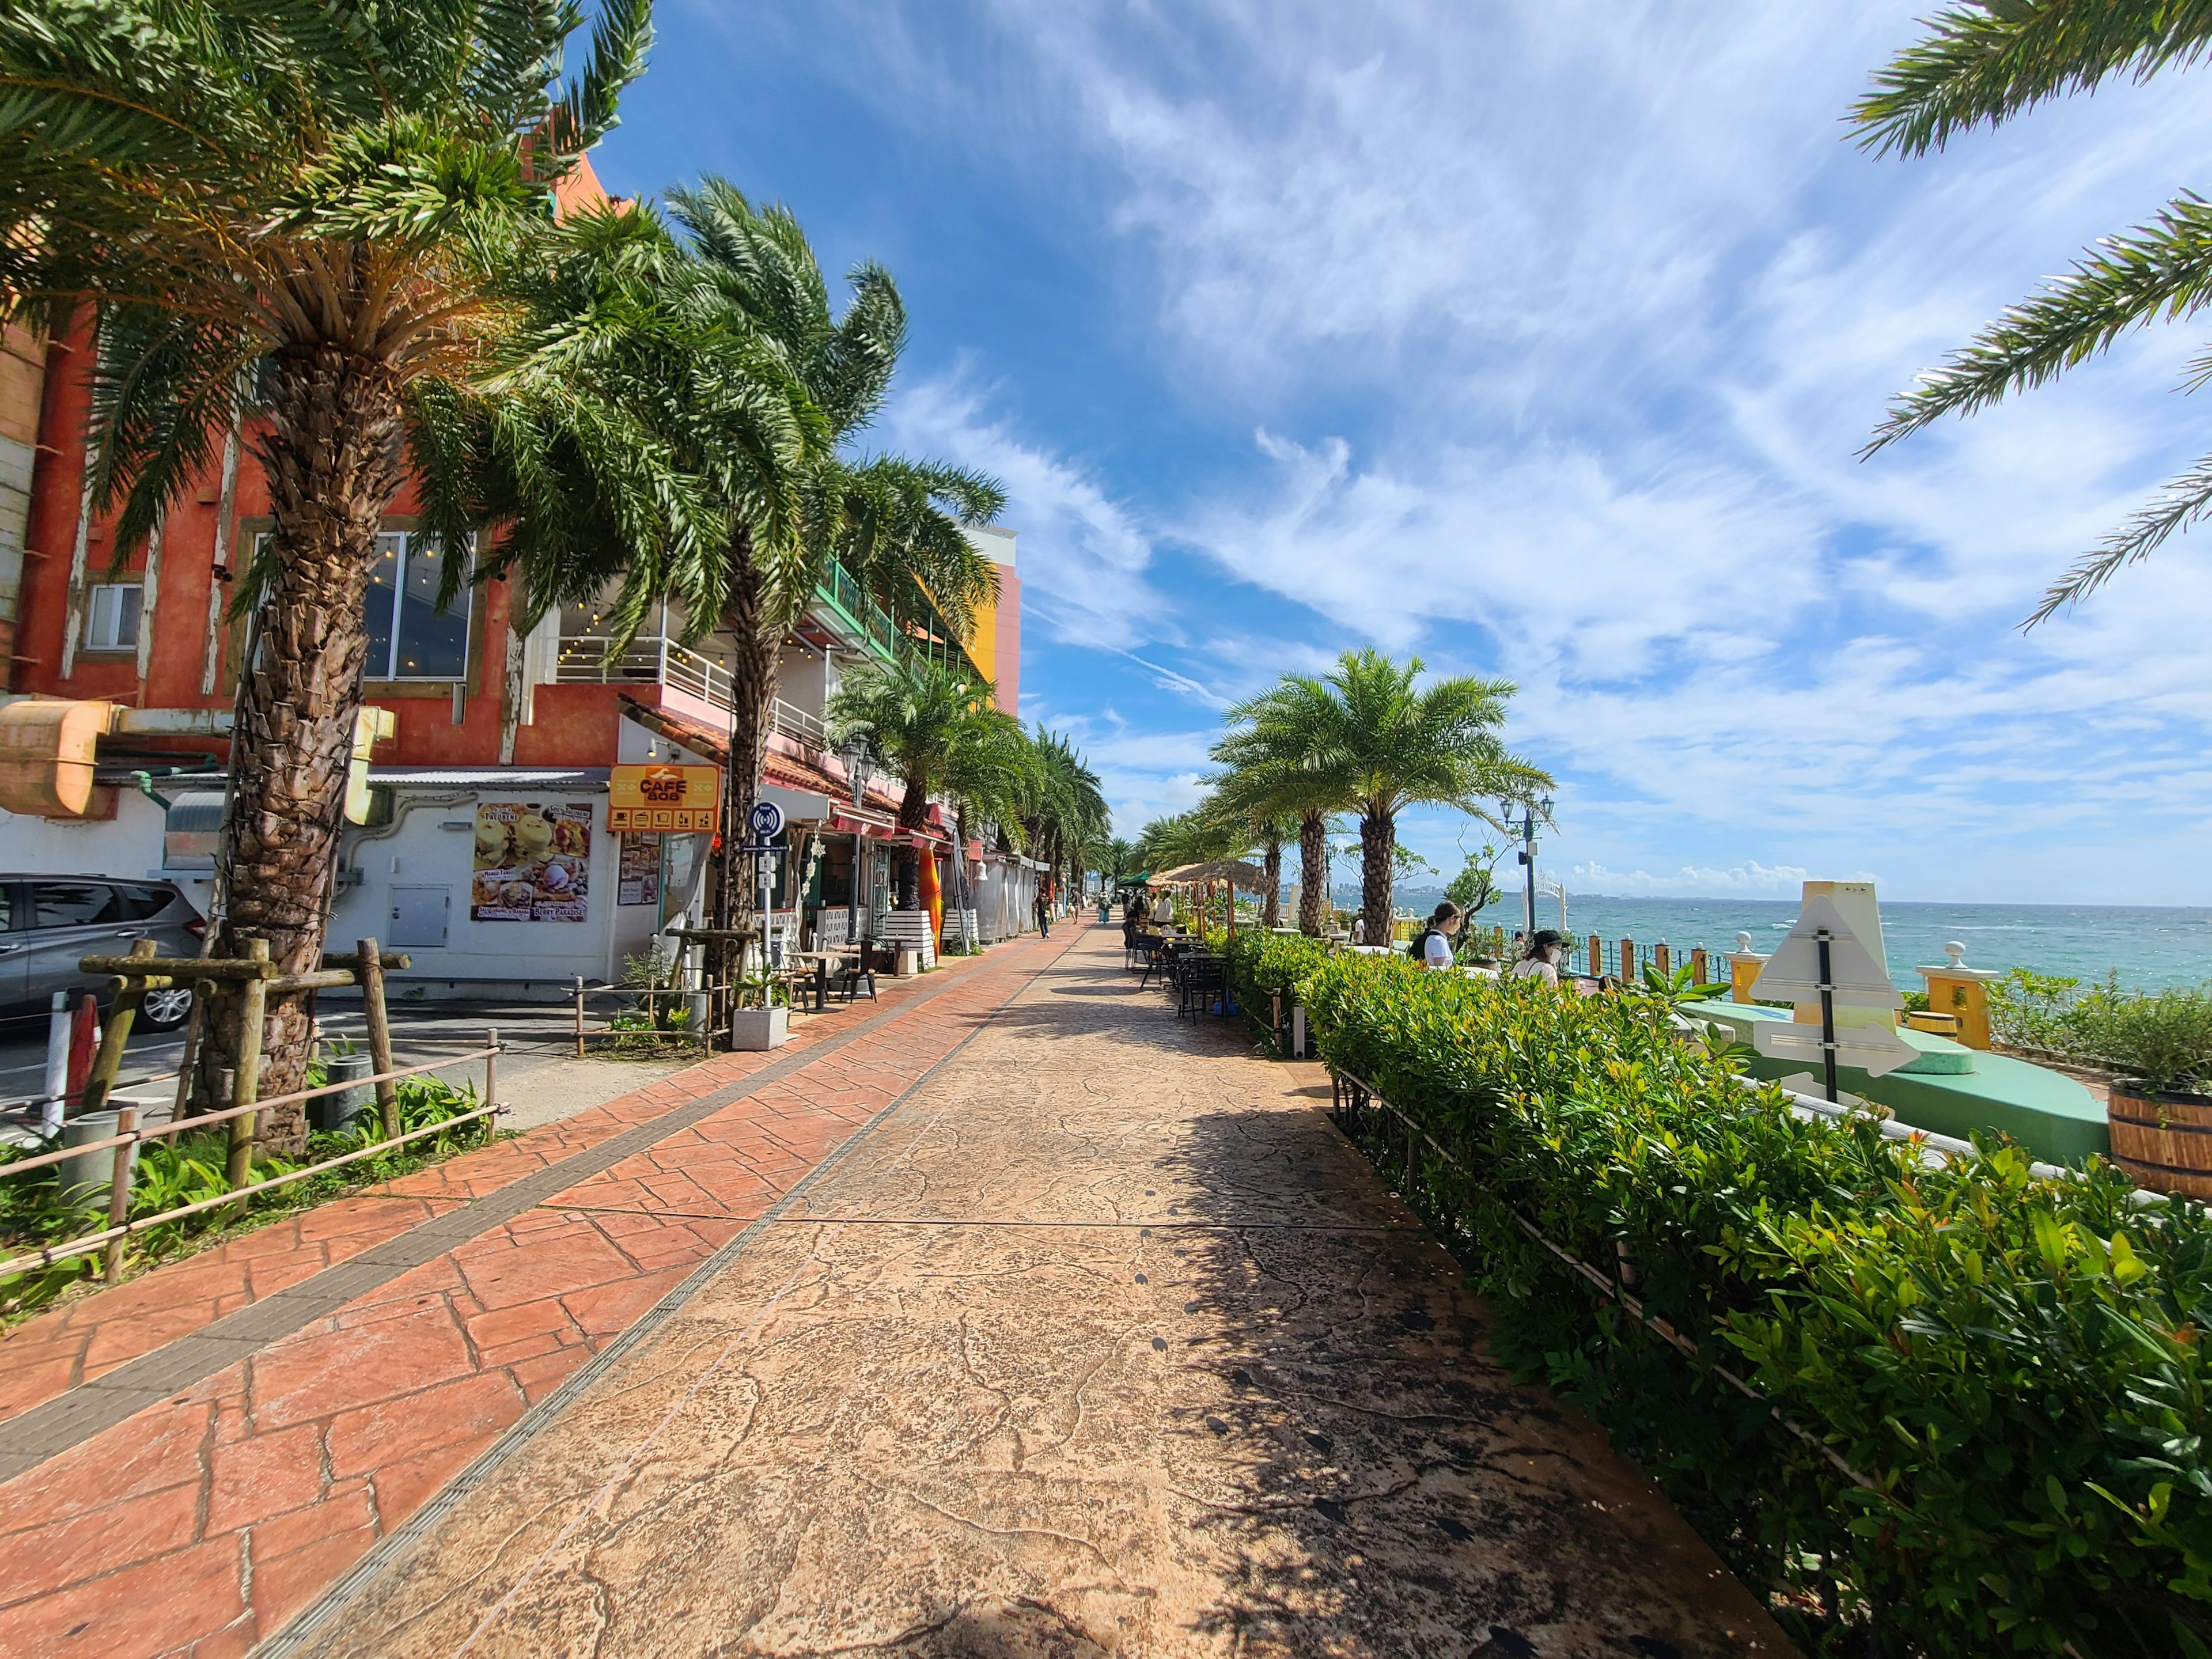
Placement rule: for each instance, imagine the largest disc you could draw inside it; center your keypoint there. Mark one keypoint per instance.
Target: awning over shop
(1249, 877)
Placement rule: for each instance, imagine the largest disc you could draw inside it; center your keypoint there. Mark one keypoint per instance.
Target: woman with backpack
(1432, 945)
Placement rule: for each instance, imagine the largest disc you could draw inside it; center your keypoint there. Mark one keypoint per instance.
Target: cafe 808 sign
(664, 800)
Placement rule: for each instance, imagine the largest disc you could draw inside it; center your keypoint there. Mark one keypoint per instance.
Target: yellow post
(1963, 993)
(1744, 964)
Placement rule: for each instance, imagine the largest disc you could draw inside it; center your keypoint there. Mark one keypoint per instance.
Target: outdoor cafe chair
(849, 976)
(1155, 949)
(1203, 980)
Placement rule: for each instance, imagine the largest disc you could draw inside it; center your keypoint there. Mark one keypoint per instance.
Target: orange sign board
(664, 799)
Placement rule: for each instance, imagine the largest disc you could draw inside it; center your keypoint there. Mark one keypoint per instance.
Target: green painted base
(2048, 1113)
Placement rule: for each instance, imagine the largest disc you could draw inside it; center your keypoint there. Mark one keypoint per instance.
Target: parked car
(48, 923)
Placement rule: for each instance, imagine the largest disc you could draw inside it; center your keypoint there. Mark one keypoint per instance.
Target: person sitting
(1542, 961)
(1432, 945)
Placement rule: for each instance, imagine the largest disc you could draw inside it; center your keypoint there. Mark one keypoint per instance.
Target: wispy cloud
(1543, 340)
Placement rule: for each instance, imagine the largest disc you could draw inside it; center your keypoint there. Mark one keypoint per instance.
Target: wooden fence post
(1700, 973)
(112, 1036)
(1627, 961)
(370, 972)
(118, 1192)
(1597, 956)
(1664, 957)
(246, 1078)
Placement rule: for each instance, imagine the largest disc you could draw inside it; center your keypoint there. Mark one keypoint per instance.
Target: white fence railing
(655, 660)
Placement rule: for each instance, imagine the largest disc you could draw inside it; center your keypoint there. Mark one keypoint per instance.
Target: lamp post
(1531, 811)
(860, 767)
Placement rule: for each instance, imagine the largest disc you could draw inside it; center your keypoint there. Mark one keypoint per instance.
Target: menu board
(637, 871)
(664, 799)
(533, 862)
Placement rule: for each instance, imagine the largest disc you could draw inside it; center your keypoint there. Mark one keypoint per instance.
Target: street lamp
(860, 764)
(1526, 829)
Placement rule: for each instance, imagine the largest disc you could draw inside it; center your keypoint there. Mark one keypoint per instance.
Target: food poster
(533, 862)
(637, 873)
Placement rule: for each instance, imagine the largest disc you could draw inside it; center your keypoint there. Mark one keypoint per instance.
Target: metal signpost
(1823, 959)
(765, 821)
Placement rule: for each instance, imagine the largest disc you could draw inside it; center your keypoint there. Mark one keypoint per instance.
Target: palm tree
(1368, 739)
(894, 524)
(690, 402)
(1277, 773)
(1986, 63)
(306, 206)
(1065, 811)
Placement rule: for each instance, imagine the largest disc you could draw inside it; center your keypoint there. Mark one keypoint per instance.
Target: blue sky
(1538, 340)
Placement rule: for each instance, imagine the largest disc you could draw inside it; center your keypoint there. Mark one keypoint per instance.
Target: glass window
(74, 904)
(110, 618)
(140, 903)
(408, 639)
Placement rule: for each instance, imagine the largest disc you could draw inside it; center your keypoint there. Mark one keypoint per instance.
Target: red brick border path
(222, 1502)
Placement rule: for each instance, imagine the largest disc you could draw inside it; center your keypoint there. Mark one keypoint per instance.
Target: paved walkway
(198, 1453)
(1100, 1342)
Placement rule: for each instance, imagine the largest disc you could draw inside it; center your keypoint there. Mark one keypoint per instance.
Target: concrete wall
(431, 843)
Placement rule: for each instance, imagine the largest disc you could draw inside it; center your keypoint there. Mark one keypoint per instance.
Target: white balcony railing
(655, 660)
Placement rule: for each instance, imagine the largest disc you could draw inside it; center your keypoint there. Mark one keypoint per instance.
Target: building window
(111, 621)
(408, 639)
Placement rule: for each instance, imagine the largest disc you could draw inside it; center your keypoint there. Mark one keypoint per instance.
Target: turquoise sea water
(2150, 948)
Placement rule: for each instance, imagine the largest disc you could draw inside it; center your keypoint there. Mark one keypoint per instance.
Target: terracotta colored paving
(88, 1338)
(198, 1526)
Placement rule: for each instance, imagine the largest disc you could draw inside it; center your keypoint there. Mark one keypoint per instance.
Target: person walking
(1432, 945)
(1043, 915)
(1542, 961)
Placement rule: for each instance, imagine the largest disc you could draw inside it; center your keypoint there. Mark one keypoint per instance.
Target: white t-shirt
(1536, 968)
(1436, 953)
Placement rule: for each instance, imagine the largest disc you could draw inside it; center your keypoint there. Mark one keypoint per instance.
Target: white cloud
(1556, 328)
(1751, 880)
(1081, 555)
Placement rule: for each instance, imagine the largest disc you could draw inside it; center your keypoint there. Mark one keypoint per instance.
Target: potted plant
(762, 1017)
(2160, 1050)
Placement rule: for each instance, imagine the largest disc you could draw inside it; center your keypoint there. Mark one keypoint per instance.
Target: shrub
(2163, 1038)
(186, 1169)
(2011, 1366)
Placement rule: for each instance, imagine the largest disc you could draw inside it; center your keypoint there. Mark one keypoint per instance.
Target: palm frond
(2164, 269)
(2180, 504)
(1982, 63)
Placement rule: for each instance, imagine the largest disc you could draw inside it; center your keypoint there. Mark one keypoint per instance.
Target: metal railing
(584, 659)
(653, 659)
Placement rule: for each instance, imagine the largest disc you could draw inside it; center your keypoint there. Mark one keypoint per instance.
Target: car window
(74, 904)
(7, 907)
(139, 903)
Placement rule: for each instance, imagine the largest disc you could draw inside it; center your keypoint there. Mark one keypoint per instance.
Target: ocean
(2150, 948)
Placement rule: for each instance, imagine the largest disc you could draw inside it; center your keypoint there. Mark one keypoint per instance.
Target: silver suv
(48, 923)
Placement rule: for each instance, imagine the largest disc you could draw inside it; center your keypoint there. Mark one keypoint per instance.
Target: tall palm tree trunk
(755, 652)
(1271, 913)
(333, 458)
(1378, 842)
(1313, 872)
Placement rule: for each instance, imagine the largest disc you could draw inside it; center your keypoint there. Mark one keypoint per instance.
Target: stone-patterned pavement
(204, 1450)
(1101, 1341)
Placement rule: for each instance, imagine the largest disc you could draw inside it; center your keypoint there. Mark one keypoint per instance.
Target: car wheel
(165, 1011)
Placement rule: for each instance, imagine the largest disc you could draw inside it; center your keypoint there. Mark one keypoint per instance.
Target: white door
(419, 917)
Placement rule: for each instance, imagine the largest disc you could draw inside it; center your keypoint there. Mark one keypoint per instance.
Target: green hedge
(2012, 1364)
(1264, 965)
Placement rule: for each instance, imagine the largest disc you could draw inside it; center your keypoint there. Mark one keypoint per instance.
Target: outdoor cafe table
(821, 959)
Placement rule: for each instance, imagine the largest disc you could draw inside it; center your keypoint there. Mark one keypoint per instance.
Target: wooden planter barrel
(2163, 1138)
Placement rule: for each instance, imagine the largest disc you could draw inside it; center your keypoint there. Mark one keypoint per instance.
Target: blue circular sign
(765, 820)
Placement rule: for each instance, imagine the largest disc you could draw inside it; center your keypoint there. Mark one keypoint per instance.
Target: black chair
(1155, 950)
(850, 975)
(1203, 980)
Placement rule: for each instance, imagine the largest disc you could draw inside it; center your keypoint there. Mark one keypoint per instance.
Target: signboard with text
(664, 799)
